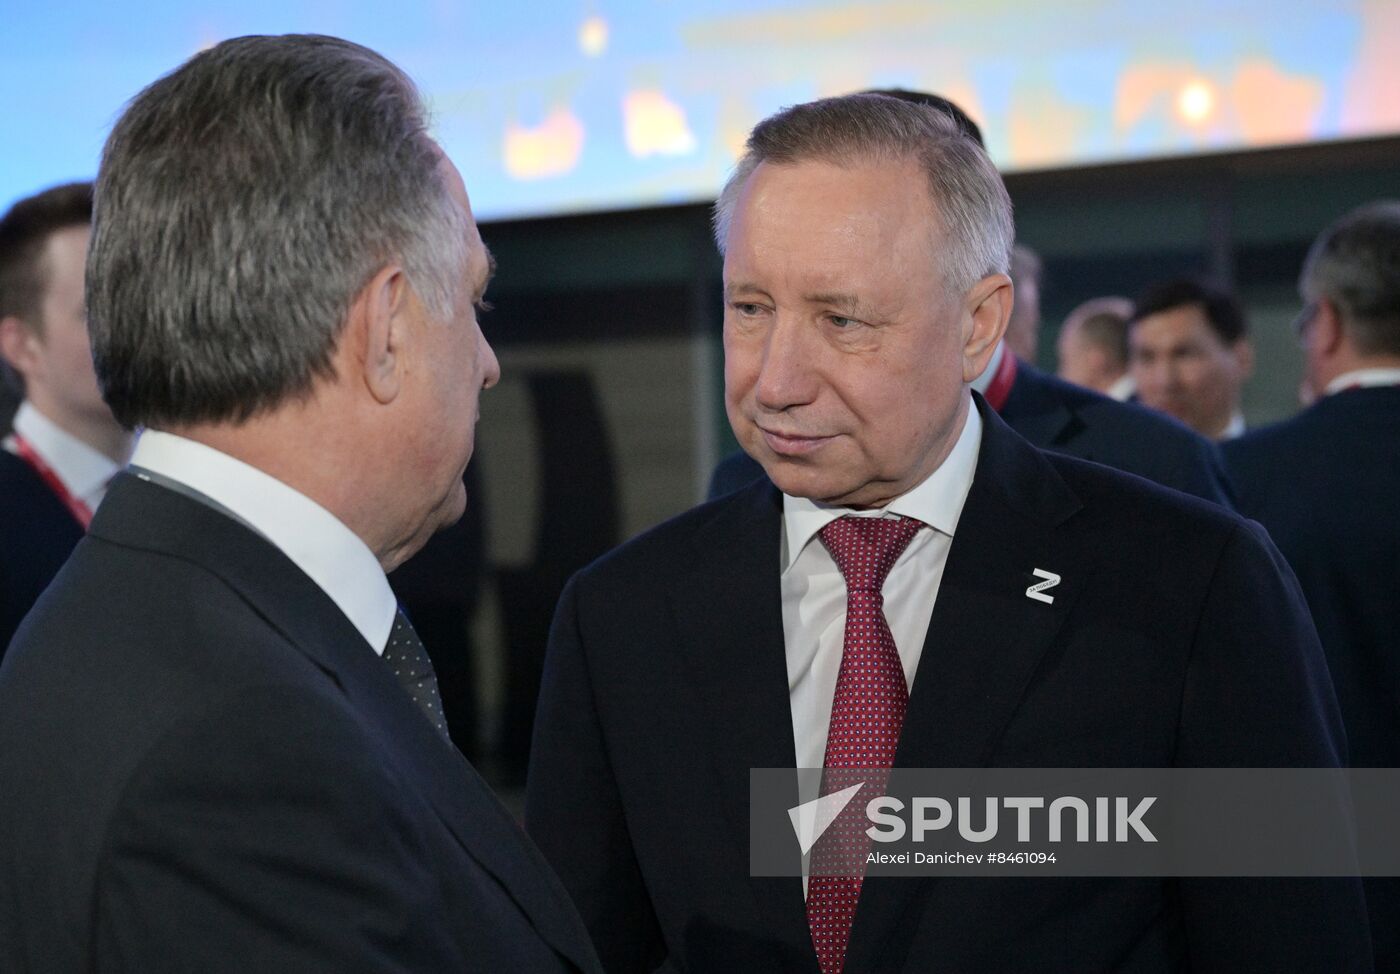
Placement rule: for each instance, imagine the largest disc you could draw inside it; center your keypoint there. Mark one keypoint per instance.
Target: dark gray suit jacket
(1326, 484)
(204, 767)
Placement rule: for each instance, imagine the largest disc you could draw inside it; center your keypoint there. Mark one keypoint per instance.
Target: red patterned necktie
(867, 713)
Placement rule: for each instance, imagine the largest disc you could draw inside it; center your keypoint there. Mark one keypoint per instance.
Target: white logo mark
(811, 819)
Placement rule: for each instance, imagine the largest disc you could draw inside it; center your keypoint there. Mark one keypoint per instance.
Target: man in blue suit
(1326, 482)
(873, 600)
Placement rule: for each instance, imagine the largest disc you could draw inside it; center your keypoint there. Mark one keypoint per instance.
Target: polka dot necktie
(867, 713)
(409, 660)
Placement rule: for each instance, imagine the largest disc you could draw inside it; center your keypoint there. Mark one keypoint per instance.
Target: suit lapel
(986, 638)
(1043, 420)
(731, 605)
(147, 516)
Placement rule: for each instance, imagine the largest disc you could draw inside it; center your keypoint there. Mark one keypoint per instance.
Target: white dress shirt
(1364, 377)
(314, 539)
(83, 471)
(814, 592)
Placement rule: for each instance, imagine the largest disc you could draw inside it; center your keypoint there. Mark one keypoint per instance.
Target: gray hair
(1355, 264)
(243, 200)
(967, 192)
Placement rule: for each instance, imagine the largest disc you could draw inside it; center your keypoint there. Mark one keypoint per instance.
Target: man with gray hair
(1052, 414)
(1325, 484)
(880, 601)
(221, 743)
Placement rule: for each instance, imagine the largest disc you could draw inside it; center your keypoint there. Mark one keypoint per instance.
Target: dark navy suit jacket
(1177, 637)
(204, 767)
(1326, 484)
(37, 534)
(1064, 418)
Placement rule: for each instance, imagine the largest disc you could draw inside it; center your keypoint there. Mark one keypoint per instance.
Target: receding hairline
(846, 162)
(969, 210)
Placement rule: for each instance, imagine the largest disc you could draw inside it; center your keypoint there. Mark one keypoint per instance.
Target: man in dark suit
(221, 744)
(1325, 484)
(868, 607)
(1190, 355)
(1092, 347)
(65, 445)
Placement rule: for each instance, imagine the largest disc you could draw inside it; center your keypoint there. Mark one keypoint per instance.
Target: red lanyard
(76, 507)
(1000, 386)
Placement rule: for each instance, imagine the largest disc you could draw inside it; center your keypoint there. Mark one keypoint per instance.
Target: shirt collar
(937, 501)
(83, 470)
(1122, 388)
(318, 543)
(1234, 428)
(1365, 378)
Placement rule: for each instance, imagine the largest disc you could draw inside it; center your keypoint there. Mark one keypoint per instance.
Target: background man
(1191, 355)
(1325, 484)
(1023, 329)
(205, 764)
(1093, 347)
(65, 446)
(865, 247)
(1053, 414)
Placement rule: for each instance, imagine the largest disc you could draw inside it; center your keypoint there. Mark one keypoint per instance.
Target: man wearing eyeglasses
(1324, 483)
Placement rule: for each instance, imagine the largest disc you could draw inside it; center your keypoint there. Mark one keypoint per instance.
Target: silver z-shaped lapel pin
(1038, 590)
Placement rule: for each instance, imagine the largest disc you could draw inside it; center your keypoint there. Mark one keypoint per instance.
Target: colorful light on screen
(593, 36)
(551, 148)
(556, 106)
(656, 126)
(1196, 102)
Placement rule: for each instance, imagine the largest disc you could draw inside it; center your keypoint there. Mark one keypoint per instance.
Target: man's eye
(747, 309)
(840, 321)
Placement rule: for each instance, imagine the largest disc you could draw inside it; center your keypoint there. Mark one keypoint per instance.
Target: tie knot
(866, 548)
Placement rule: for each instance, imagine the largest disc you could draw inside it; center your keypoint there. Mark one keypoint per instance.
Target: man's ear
(1326, 327)
(18, 345)
(378, 328)
(988, 306)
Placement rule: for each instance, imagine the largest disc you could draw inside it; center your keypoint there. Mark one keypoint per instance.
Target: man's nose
(491, 371)
(787, 375)
(1150, 375)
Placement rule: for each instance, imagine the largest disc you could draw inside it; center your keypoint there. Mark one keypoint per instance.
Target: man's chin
(447, 513)
(797, 479)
